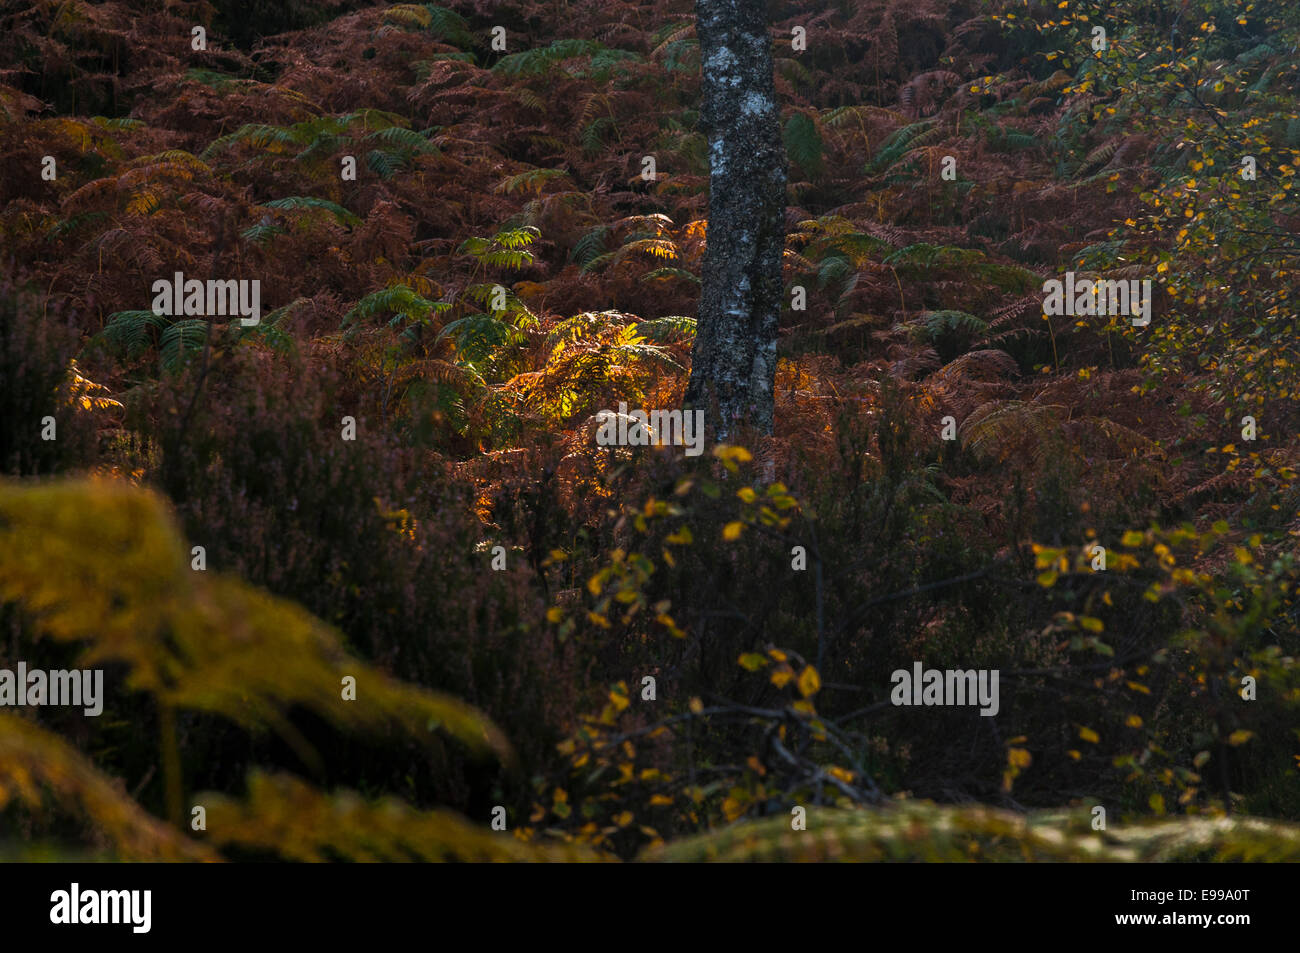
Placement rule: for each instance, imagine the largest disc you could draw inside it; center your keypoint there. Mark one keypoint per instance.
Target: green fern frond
(258, 135)
(397, 137)
(931, 325)
(384, 164)
(919, 258)
(803, 143)
(179, 340)
(129, 330)
(667, 329)
(1002, 139)
(516, 238)
(592, 137)
(399, 302)
(902, 141)
(308, 202)
(536, 62)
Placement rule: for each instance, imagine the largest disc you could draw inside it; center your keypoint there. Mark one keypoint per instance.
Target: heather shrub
(378, 540)
(36, 382)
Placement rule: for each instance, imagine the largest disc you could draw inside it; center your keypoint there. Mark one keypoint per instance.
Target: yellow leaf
(1087, 734)
(732, 531)
(724, 452)
(809, 682)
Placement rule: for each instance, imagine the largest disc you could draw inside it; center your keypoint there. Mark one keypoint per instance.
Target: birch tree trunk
(733, 364)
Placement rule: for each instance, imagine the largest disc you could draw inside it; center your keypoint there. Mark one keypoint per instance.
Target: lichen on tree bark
(733, 364)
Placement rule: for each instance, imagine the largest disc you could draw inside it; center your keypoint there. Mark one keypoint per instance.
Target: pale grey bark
(733, 365)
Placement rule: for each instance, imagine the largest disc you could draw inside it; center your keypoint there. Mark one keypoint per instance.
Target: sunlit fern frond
(654, 247)
(655, 223)
(36, 765)
(85, 393)
(286, 817)
(411, 140)
(590, 246)
(408, 14)
(103, 565)
(667, 329)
